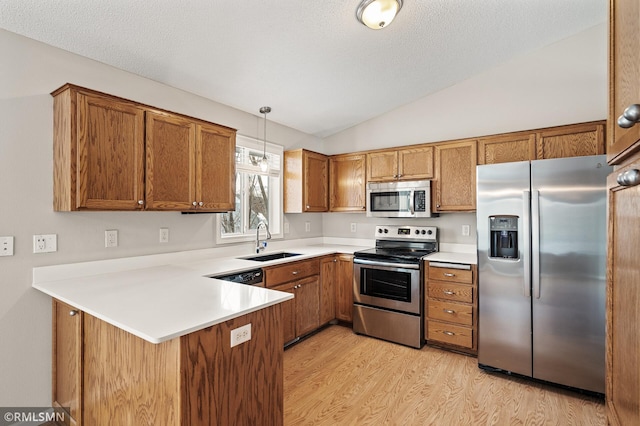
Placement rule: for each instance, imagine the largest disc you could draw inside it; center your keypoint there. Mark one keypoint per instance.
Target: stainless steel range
(387, 284)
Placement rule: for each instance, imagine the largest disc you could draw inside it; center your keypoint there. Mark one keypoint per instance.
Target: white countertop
(452, 257)
(161, 302)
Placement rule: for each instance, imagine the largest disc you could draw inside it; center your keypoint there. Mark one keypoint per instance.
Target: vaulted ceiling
(319, 69)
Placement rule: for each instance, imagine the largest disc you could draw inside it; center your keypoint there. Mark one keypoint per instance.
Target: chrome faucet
(262, 244)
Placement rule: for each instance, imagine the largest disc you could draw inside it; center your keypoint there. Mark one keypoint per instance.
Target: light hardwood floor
(339, 378)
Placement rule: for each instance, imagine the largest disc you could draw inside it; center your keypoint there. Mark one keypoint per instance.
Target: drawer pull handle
(447, 274)
(295, 272)
(449, 333)
(449, 292)
(449, 311)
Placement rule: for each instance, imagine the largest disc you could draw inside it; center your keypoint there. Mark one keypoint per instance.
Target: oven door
(385, 285)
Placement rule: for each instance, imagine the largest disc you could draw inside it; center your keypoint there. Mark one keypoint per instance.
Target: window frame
(275, 206)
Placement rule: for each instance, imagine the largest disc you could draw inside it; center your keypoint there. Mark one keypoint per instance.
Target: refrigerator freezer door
(569, 278)
(504, 335)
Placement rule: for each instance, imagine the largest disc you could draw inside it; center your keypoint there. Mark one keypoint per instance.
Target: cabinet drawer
(451, 334)
(450, 274)
(292, 271)
(455, 292)
(450, 312)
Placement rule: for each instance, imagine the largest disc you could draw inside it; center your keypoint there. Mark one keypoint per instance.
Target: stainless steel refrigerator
(542, 267)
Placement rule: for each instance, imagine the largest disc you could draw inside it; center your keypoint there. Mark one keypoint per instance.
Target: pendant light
(377, 14)
(264, 163)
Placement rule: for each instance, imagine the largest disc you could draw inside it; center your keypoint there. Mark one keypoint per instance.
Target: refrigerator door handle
(535, 242)
(526, 249)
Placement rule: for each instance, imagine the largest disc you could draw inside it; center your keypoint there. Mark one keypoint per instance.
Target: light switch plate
(6, 246)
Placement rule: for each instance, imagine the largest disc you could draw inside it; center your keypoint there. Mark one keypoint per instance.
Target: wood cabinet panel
(450, 312)
(291, 271)
(215, 168)
(170, 179)
(307, 305)
(344, 288)
(306, 181)
(624, 78)
(382, 166)
(571, 141)
(623, 301)
(415, 163)
(328, 267)
(288, 312)
(450, 291)
(67, 355)
(348, 186)
(507, 148)
(98, 152)
(451, 334)
(455, 182)
(450, 274)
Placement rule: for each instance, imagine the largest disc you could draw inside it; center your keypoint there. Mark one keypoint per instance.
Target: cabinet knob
(295, 272)
(629, 178)
(630, 116)
(141, 202)
(438, 205)
(194, 204)
(201, 204)
(335, 260)
(73, 313)
(307, 206)
(400, 175)
(364, 207)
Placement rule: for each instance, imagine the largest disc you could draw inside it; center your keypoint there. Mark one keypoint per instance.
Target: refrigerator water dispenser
(504, 237)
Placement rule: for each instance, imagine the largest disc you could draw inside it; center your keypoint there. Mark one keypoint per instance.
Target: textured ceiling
(318, 68)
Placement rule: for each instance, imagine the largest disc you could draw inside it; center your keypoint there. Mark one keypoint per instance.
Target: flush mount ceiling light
(264, 163)
(377, 14)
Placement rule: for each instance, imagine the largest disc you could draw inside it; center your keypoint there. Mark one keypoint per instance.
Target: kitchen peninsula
(147, 340)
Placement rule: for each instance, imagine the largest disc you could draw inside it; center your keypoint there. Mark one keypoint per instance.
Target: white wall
(29, 71)
(560, 84)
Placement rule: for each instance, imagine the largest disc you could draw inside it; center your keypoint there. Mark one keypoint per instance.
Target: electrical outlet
(111, 238)
(465, 230)
(307, 227)
(45, 243)
(354, 227)
(286, 227)
(164, 235)
(240, 335)
(6, 246)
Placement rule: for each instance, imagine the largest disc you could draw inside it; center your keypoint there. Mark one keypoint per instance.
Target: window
(258, 193)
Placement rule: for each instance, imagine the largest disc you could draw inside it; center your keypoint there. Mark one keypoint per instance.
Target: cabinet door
(344, 288)
(570, 141)
(170, 180)
(415, 163)
(624, 78)
(623, 302)
(382, 166)
(328, 289)
(67, 359)
(316, 182)
(348, 184)
(288, 312)
(507, 148)
(110, 156)
(307, 305)
(455, 187)
(215, 168)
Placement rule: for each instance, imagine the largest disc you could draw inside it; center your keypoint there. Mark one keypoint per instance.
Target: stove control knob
(417, 232)
(423, 232)
(429, 232)
(379, 230)
(386, 231)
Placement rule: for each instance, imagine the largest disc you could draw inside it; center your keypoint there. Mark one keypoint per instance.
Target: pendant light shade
(264, 163)
(377, 14)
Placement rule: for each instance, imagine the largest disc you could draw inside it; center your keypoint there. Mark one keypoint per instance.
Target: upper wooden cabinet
(507, 148)
(348, 186)
(200, 159)
(410, 163)
(98, 147)
(103, 145)
(624, 82)
(570, 141)
(306, 181)
(556, 142)
(455, 180)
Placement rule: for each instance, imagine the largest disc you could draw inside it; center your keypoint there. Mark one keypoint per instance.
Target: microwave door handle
(411, 208)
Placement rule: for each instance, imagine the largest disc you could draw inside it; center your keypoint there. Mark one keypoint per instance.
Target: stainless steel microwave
(399, 199)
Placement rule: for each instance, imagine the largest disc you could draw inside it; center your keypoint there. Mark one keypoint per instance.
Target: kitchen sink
(270, 256)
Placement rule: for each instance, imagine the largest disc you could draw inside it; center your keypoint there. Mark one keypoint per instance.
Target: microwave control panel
(420, 201)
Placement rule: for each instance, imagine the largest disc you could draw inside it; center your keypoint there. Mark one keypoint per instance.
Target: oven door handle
(387, 264)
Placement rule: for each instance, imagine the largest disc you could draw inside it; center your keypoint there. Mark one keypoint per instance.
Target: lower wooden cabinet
(302, 314)
(107, 376)
(451, 306)
(344, 287)
(328, 266)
